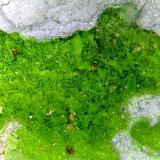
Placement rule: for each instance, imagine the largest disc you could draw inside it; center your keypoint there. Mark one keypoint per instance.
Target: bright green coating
(147, 135)
(61, 76)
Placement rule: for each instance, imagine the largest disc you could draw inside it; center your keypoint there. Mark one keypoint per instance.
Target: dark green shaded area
(147, 135)
(91, 74)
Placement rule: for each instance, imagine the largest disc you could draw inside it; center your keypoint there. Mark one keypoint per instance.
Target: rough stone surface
(149, 17)
(9, 129)
(128, 149)
(140, 3)
(44, 19)
(147, 106)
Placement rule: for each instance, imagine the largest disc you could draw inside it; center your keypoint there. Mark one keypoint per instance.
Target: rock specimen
(45, 19)
(128, 149)
(9, 129)
(147, 106)
(149, 14)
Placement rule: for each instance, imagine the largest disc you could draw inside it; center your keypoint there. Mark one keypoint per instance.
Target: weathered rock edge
(46, 19)
(147, 106)
(9, 129)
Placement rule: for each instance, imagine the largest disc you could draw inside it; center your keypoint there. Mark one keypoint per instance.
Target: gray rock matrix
(46, 19)
(147, 106)
(149, 17)
(128, 149)
(8, 130)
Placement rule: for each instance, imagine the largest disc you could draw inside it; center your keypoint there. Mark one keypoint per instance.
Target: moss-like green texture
(91, 74)
(147, 135)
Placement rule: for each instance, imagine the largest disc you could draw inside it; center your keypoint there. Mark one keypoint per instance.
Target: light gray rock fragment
(139, 107)
(149, 17)
(45, 19)
(9, 129)
(127, 148)
(140, 3)
(4, 2)
(147, 106)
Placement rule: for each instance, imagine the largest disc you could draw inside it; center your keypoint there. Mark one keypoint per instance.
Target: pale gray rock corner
(149, 17)
(9, 129)
(46, 19)
(147, 106)
(128, 149)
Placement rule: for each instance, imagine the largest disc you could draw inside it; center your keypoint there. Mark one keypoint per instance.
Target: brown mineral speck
(69, 150)
(94, 67)
(14, 52)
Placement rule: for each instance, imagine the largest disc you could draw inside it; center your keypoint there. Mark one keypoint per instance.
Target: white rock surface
(139, 107)
(128, 149)
(8, 129)
(45, 19)
(147, 106)
(149, 17)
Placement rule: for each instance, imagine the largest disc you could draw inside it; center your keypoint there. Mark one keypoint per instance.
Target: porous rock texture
(147, 106)
(45, 19)
(149, 14)
(128, 149)
(8, 130)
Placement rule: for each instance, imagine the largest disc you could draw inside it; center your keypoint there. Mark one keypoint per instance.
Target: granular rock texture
(45, 19)
(9, 129)
(147, 106)
(128, 149)
(149, 14)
